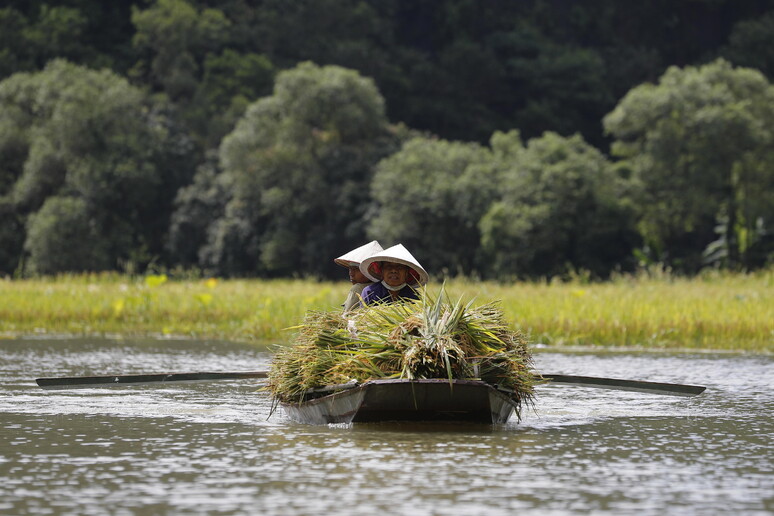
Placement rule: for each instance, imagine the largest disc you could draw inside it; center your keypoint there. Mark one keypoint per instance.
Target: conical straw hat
(370, 266)
(355, 256)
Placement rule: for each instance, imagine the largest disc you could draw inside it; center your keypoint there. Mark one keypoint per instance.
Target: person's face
(394, 273)
(355, 276)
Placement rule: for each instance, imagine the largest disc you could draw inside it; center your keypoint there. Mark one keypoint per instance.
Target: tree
(700, 143)
(28, 43)
(11, 238)
(560, 87)
(174, 38)
(193, 57)
(430, 196)
(196, 207)
(73, 133)
(231, 82)
(14, 54)
(57, 33)
(297, 168)
(751, 44)
(92, 33)
(560, 209)
(64, 236)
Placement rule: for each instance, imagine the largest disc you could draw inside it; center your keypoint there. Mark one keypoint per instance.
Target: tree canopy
(296, 171)
(700, 143)
(430, 196)
(560, 209)
(83, 146)
(497, 139)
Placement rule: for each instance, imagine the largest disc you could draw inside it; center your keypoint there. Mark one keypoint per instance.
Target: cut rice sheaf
(429, 338)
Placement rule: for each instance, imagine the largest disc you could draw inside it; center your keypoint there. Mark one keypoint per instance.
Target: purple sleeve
(368, 295)
(375, 293)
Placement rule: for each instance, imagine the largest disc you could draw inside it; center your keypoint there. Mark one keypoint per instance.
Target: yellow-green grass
(712, 312)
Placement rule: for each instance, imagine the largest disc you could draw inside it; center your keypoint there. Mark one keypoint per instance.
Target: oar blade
(84, 382)
(670, 389)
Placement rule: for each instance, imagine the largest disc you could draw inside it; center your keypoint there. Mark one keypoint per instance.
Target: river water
(213, 448)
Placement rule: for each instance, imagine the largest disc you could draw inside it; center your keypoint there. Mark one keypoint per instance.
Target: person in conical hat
(351, 261)
(396, 274)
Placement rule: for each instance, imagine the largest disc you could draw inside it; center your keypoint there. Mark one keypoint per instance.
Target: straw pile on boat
(431, 338)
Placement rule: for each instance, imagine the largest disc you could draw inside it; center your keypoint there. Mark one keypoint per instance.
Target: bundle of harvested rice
(431, 338)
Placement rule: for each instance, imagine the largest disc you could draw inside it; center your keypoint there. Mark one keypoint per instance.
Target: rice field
(716, 311)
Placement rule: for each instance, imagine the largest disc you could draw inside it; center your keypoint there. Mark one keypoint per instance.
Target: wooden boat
(404, 400)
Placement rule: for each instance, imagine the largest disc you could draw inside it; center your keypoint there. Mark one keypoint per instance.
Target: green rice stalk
(431, 338)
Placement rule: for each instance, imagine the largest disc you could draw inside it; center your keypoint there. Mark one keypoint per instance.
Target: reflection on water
(211, 447)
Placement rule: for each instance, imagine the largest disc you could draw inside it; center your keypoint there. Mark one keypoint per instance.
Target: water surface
(214, 448)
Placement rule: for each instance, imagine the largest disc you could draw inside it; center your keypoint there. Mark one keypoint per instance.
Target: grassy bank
(715, 311)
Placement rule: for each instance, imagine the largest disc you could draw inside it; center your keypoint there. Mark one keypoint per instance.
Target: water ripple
(212, 447)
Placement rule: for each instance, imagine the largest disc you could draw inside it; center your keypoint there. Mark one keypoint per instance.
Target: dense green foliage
(560, 207)
(702, 146)
(264, 138)
(420, 209)
(295, 172)
(87, 156)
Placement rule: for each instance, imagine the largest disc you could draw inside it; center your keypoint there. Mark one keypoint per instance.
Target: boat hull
(407, 400)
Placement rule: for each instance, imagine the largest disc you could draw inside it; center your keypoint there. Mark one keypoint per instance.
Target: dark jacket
(378, 293)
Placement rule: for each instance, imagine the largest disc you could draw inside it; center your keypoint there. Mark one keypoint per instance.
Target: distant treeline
(501, 139)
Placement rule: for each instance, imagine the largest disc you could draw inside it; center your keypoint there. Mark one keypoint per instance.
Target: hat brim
(371, 266)
(346, 263)
(355, 256)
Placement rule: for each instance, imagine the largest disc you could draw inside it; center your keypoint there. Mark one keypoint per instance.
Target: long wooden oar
(75, 382)
(674, 389)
